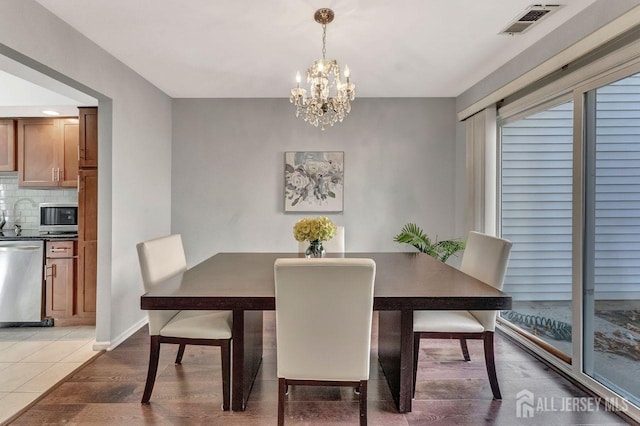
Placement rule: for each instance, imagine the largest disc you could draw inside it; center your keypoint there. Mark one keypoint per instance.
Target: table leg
(247, 355)
(395, 354)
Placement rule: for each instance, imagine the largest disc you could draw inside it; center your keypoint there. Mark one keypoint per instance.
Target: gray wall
(228, 164)
(135, 154)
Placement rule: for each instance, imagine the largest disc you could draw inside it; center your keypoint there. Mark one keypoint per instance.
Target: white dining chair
(161, 259)
(334, 245)
(485, 258)
(324, 309)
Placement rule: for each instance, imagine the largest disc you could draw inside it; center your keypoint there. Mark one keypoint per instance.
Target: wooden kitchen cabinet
(68, 162)
(88, 213)
(87, 242)
(87, 279)
(70, 293)
(60, 267)
(48, 152)
(7, 145)
(88, 144)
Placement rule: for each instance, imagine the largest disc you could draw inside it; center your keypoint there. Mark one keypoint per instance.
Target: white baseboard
(100, 346)
(112, 344)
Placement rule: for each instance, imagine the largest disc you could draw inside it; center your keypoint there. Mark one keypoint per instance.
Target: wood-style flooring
(449, 391)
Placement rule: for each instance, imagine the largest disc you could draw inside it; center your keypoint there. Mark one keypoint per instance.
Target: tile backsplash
(20, 205)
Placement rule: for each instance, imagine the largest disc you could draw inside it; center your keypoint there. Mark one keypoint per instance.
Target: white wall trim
(599, 37)
(111, 345)
(100, 346)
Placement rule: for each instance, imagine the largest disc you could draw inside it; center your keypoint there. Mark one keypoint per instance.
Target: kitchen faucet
(15, 203)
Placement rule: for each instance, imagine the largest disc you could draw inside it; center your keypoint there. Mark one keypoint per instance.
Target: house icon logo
(524, 404)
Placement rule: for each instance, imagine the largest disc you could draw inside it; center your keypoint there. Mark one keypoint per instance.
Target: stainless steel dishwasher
(21, 266)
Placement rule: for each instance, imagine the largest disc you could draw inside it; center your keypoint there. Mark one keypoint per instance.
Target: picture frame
(314, 181)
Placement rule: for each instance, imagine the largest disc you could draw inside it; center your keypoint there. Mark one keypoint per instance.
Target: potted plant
(441, 250)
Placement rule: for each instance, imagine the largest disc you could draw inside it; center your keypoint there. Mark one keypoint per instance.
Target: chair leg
(154, 355)
(465, 349)
(416, 352)
(180, 353)
(491, 364)
(225, 354)
(282, 389)
(363, 403)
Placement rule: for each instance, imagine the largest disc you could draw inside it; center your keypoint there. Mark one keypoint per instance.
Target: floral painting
(313, 181)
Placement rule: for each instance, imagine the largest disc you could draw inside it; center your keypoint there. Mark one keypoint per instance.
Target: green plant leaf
(414, 235)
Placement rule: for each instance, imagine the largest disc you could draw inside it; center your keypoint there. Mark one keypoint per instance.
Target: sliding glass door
(569, 200)
(536, 215)
(611, 296)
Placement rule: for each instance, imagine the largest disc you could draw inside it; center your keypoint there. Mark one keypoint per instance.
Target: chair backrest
(160, 259)
(324, 309)
(334, 245)
(486, 258)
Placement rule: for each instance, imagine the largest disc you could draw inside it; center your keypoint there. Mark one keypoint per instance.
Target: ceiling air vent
(531, 15)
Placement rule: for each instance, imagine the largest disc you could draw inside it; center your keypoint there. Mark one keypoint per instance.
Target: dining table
(244, 284)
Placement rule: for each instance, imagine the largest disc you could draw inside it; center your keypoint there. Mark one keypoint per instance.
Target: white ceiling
(242, 49)
(33, 92)
(21, 98)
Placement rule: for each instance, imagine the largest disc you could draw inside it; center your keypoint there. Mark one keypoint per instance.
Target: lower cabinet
(65, 301)
(60, 277)
(87, 261)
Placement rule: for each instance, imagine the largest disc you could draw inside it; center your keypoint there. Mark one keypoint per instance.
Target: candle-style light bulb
(298, 78)
(346, 72)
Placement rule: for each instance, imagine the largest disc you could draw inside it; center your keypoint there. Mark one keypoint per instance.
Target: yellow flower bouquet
(314, 229)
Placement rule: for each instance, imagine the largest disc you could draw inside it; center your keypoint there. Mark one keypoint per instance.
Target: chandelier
(329, 96)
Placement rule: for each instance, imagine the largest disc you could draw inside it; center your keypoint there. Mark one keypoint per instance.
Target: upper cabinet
(88, 146)
(7, 145)
(48, 152)
(68, 174)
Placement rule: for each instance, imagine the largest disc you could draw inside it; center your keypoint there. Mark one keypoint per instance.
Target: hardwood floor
(449, 391)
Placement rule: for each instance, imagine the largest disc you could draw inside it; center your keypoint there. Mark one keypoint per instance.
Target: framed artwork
(313, 181)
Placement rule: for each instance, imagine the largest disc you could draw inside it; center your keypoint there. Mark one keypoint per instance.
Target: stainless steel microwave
(58, 217)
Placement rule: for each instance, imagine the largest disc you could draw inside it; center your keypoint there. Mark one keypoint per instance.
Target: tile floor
(33, 359)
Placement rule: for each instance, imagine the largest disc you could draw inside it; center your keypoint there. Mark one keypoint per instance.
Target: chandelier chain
(324, 41)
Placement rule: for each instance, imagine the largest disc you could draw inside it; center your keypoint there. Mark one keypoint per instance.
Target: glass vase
(315, 249)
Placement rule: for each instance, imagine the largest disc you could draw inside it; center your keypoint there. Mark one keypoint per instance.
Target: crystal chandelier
(330, 97)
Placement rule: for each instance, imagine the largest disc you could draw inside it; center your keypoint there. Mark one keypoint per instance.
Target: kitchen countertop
(34, 234)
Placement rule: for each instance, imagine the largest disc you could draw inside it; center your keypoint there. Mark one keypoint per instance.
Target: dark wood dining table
(405, 282)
